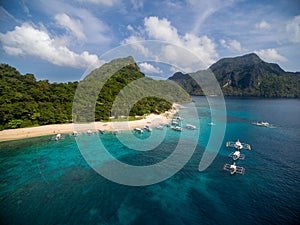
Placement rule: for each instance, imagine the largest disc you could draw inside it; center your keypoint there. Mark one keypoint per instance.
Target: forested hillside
(27, 102)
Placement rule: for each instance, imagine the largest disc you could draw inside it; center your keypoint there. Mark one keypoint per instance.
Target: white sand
(151, 120)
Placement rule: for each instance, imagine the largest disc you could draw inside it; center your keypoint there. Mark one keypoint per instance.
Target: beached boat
(160, 127)
(75, 133)
(89, 132)
(57, 137)
(236, 155)
(101, 131)
(191, 127)
(147, 128)
(115, 132)
(177, 128)
(138, 130)
(234, 169)
(174, 122)
(238, 145)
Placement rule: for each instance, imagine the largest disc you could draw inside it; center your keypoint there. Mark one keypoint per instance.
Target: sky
(62, 41)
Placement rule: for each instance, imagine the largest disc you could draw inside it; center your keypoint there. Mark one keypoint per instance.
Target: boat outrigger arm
(235, 157)
(239, 169)
(231, 144)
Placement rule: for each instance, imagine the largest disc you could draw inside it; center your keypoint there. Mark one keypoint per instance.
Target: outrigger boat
(233, 168)
(138, 130)
(236, 155)
(191, 127)
(261, 123)
(160, 127)
(89, 132)
(238, 145)
(101, 131)
(147, 128)
(177, 128)
(57, 137)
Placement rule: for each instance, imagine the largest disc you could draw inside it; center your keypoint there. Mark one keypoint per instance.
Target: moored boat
(238, 145)
(234, 169)
(191, 127)
(236, 155)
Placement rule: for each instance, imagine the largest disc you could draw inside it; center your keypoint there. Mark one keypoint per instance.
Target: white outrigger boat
(236, 155)
(191, 127)
(89, 132)
(160, 127)
(75, 133)
(233, 169)
(101, 131)
(261, 123)
(138, 130)
(57, 137)
(238, 145)
(177, 128)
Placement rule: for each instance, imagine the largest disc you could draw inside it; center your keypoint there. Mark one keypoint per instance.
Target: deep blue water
(49, 182)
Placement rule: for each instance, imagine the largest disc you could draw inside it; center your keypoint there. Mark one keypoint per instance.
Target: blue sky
(59, 40)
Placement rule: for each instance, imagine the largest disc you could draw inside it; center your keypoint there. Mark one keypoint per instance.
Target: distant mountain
(246, 75)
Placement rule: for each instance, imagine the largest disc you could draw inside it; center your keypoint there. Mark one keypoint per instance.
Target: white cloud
(72, 25)
(136, 43)
(263, 25)
(270, 55)
(27, 40)
(293, 29)
(149, 68)
(81, 21)
(100, 2)
(159, 41)
(130, 28)
(161, 30)
(202, 47)
(232, 45)
(137, 4)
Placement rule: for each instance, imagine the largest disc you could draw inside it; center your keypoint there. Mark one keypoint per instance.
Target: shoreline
(52, 129)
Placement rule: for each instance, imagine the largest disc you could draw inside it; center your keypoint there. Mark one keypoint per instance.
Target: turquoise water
(49, 182)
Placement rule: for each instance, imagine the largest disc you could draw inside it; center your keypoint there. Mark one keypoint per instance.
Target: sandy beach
(151, 120)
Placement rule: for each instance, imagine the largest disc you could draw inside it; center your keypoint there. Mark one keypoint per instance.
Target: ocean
(50, 182)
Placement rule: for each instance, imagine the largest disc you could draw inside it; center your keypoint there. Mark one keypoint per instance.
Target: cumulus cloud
(232, 45)
(72, 25)
(30, 41)
(293, 29)
(149, 68)
(263, 25)
(270, 55)
(181, 49)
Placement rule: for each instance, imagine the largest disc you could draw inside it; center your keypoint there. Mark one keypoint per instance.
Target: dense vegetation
(27, 102)
(246, 76)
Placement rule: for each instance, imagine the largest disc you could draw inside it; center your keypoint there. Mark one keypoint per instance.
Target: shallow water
(49, 182)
